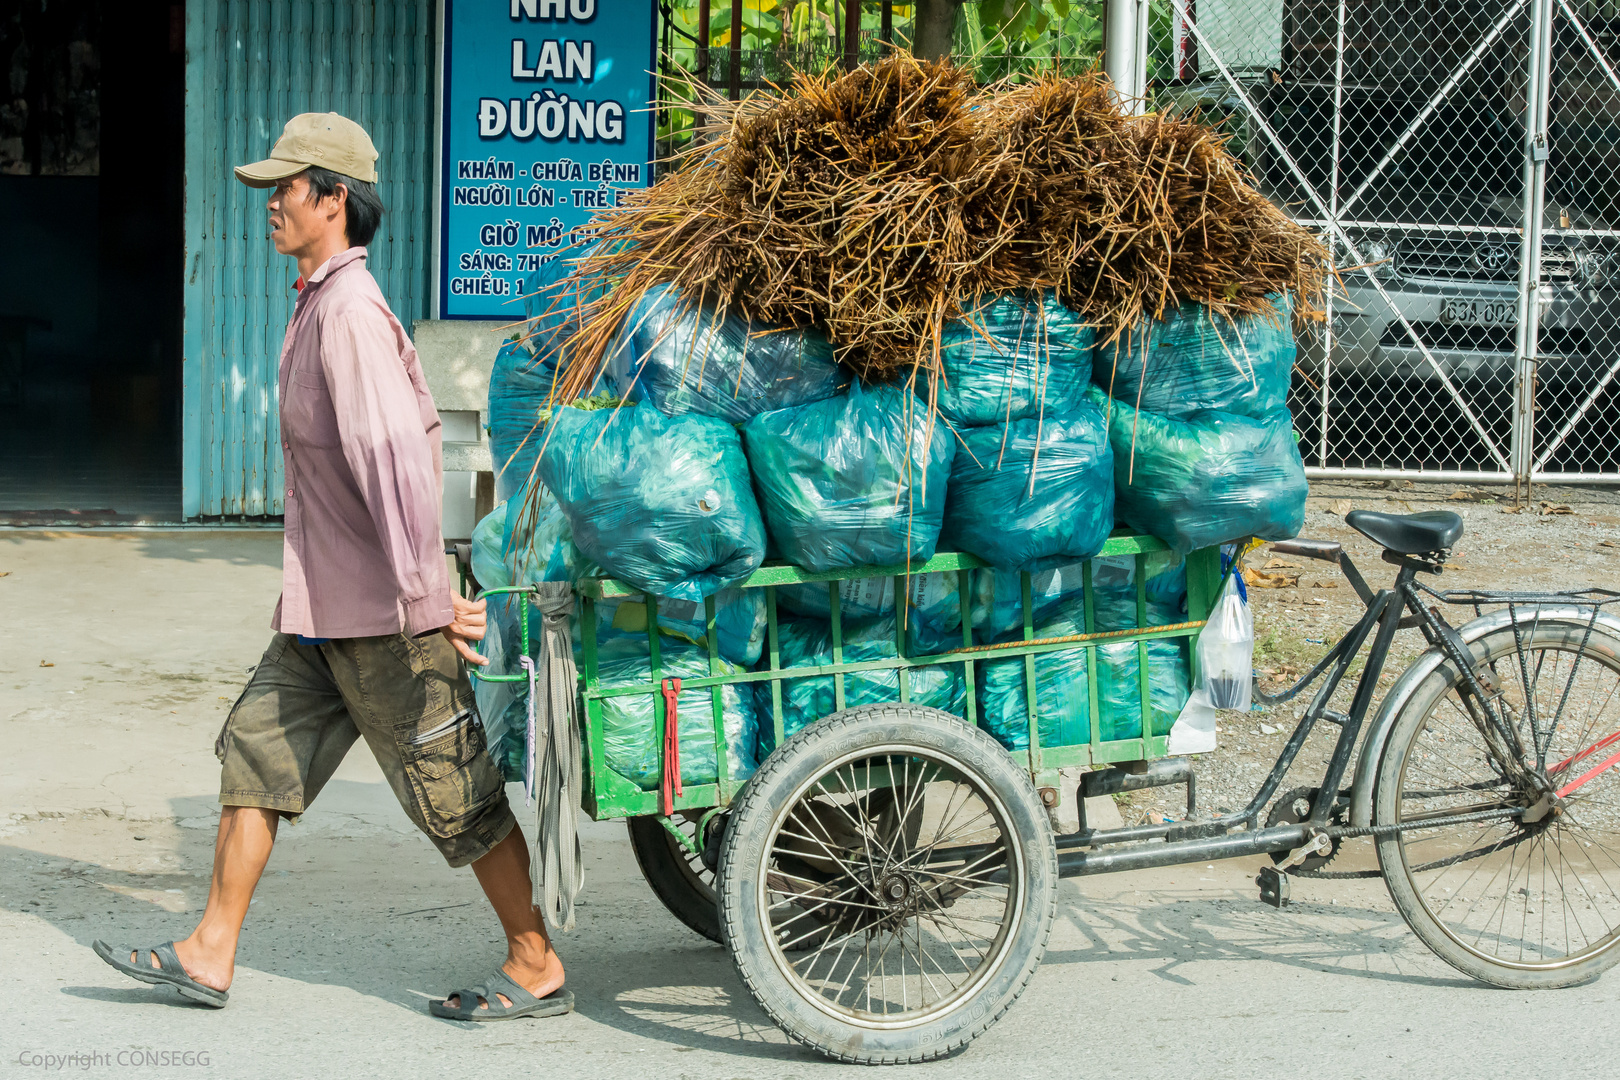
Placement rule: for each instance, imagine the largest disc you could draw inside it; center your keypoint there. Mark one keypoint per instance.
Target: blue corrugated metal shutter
(250, 66)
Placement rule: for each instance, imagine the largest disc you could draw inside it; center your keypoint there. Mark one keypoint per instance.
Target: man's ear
(340, 199)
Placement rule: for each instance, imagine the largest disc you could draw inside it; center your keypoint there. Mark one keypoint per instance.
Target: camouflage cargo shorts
(408, 697)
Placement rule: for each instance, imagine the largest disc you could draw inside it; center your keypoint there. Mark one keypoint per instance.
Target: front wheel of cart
(887, 883)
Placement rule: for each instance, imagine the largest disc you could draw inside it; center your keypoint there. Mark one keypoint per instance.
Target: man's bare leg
(241, 849)
(530, 960)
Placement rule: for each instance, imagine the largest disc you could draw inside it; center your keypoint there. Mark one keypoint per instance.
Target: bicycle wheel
(887, 883)
(1525, 893)
(677, 876)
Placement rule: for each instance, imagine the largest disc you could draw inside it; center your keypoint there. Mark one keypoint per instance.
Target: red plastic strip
(672, 745)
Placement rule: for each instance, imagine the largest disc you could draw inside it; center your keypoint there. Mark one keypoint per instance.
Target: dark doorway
(92, 151)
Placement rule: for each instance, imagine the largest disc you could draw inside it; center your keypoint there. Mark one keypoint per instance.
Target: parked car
(1440, 224)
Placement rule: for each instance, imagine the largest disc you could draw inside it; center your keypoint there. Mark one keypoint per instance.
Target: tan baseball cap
(325, 139)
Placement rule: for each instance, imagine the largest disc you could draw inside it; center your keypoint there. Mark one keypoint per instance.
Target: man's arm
(380, 427)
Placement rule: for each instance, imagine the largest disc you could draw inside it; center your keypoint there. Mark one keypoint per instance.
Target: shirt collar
(330, 266)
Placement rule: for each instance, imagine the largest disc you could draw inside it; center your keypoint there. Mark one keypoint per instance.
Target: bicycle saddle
(1408, 534)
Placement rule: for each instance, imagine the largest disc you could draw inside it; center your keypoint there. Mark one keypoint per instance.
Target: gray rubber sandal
(556, 1003)
(170, 972)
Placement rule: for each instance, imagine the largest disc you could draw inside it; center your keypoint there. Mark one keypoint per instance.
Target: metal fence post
(1536, 151)
(1125, 49)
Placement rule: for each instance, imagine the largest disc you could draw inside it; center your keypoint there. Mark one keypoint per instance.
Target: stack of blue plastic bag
(1013, 357)
(663, 503)
(855, 480)
(684, 359)
(808, 642)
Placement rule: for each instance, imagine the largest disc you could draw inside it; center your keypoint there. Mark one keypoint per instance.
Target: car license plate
(1480, 312)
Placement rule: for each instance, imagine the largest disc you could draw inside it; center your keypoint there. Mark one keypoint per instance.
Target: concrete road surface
(106, 827)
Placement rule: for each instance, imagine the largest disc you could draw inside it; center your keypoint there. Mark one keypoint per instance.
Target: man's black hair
(364, 210)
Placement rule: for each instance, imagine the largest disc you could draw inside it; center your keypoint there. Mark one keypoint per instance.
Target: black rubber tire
(1391, 856)
(686, 891)
(861, 732)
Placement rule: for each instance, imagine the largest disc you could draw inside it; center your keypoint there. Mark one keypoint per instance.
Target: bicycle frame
(1398, 607)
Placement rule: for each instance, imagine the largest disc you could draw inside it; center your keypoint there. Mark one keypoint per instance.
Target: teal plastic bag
(663, 503)
(1032, 494)
(1062, 690)
(808, 642)
(1014, 357)
(1114, 607)
(1207, 478)
(1191, 360)
(631, 746)
(685, 360)
(997, 611)
(739, 621)
(856, 480)
(1061, 677)
(541, 551)
(933, 608)
(525, 371)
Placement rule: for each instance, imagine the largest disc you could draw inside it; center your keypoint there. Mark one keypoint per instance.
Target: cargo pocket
(451, 772)
(278, 645)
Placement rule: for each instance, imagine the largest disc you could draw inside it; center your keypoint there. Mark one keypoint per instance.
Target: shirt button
(289, 493)
(286, 446)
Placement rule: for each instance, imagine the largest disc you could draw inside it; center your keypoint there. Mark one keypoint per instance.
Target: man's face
(299, 224)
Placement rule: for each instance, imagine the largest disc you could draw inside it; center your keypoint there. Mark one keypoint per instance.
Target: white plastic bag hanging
(1226, 649)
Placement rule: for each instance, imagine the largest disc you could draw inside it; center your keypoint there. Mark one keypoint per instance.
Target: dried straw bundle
(854, 189)
(1065, 165)
(1206, 234)
(876, 203)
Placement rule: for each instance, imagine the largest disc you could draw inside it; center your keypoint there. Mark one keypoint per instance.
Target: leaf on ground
(1279, 564)
(1325, 585)
(1556, 508)
(1340, 507)
(1278, 579)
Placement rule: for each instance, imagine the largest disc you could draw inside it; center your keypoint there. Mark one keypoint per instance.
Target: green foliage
(999, 39)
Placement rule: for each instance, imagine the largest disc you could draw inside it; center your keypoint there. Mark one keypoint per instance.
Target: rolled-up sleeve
(380, 428)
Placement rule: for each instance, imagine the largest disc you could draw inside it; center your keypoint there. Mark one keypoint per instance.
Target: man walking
(368, 631)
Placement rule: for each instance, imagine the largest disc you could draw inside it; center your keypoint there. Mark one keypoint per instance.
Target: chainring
(1292, 808)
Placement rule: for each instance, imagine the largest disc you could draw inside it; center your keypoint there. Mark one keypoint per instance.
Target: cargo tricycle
(886, 879)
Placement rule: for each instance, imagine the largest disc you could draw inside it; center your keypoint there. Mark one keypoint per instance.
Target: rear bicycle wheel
(1525, 893)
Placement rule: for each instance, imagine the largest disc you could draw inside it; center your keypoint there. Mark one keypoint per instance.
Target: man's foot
(161, 966)
(538, 981)
(204, 965)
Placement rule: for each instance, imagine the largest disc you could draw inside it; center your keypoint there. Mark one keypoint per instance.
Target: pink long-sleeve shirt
(363, 554)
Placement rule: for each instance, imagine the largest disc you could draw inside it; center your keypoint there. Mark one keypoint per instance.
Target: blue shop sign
(546, 119)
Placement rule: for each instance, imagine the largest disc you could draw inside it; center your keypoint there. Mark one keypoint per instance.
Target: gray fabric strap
(553, 768)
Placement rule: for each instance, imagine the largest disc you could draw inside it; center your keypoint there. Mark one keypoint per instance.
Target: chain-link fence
(1462, 157)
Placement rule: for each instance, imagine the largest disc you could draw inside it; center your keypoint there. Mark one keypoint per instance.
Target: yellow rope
(1073, 637)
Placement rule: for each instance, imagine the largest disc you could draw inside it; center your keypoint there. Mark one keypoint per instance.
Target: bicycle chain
(1346, 832)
